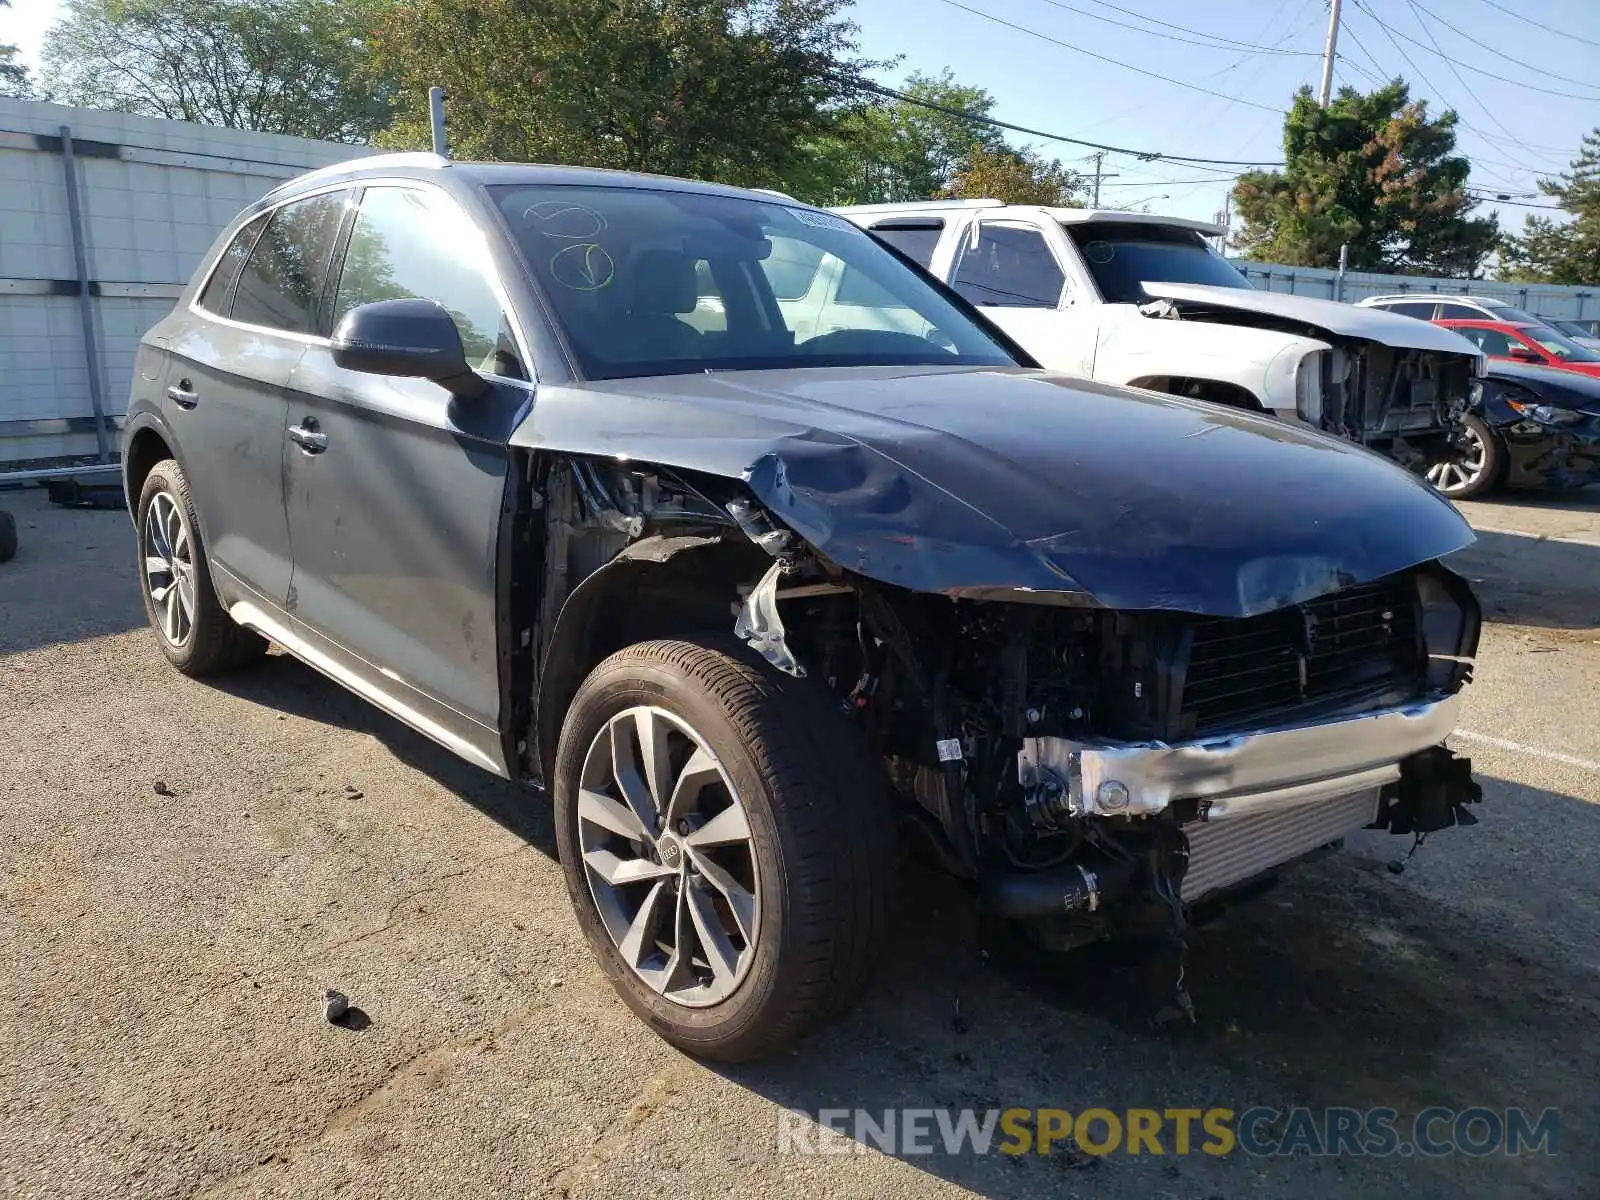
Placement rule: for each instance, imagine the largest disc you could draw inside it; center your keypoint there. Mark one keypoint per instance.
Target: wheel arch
(146, 443)
(1215, 391)
(660, 586)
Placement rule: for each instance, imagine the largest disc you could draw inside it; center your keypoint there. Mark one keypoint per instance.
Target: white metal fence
(1542, 299)
(82, 277)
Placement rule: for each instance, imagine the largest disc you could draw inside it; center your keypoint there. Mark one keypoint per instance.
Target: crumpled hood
(972, 481)
(1386, 328)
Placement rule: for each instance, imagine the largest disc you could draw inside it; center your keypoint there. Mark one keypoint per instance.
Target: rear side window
(408, 243)
(1421, 311)
(218, 291)
(283, 279)
(1010, 267)
(915, 239)
(1491, 341)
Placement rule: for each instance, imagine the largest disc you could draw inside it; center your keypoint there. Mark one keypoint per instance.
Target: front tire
(192, 628)
(727, 844)
(1472, 468)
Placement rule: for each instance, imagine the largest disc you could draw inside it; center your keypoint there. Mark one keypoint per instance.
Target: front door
(1009, 269)
(394, 506)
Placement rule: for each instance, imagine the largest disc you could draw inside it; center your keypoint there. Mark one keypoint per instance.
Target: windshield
(1511, 313)
(657, 282)
(1560, 345)
(1123, 254)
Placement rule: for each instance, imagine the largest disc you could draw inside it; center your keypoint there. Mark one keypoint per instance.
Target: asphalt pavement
(185, 867)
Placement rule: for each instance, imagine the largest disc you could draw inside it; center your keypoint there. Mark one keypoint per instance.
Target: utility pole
(1099, 158)
(1328, 54)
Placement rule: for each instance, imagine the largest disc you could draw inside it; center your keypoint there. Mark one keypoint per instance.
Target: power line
(1532, 87)
(1566, 33)
(1428, 83)
(1147, 183)
(1490, 138)
(1544, 71)
(1216, 43)
(879, 89)
(1416, 11)
(1034, 33)
(1491, 198)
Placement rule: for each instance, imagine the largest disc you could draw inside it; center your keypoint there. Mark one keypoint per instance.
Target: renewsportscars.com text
(1259, 1131)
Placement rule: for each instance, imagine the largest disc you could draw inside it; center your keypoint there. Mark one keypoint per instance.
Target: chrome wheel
(169, 568)
(667, 852)
(1462, 471)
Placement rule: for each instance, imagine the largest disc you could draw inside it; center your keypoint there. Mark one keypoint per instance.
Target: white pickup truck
(1143, 300)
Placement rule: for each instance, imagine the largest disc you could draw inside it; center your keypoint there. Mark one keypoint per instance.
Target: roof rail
(918, 205)
(417, 158)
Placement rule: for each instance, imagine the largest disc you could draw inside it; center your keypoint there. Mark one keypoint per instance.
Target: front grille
(1357, 644)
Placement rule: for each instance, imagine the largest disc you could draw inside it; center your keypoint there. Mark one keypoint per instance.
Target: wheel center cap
(671, 853)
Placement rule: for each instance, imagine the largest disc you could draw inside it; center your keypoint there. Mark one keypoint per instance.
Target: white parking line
(1571, 760)
(1577, 539)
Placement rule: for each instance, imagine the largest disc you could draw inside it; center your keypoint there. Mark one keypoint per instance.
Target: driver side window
(403, 246)
(1010, 266)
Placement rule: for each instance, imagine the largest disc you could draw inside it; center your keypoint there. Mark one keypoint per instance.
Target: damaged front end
(1100, 696)
(1098, 772)
(1405, 403)
(1390, 383)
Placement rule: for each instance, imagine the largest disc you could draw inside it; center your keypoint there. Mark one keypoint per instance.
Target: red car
(1529, 343)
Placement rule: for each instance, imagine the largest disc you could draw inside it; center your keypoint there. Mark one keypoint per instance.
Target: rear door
(395, 520)
(225, 399)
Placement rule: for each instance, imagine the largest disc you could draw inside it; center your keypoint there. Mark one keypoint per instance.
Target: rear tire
(8, 536)
(192, 628)
(815, 849)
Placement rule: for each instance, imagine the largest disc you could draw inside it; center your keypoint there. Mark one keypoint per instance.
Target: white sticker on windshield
(821, 220)
(949, 749)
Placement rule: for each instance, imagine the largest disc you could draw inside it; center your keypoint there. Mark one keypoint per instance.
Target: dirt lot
(185, 867)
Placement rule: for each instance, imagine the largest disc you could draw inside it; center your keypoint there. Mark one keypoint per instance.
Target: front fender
(1261, 361)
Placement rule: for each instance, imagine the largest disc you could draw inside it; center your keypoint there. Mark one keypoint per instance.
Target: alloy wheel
(169, 568)
(667, 851)
(1463, 469)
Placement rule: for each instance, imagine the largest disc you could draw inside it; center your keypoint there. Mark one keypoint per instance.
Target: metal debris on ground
(334, 1005)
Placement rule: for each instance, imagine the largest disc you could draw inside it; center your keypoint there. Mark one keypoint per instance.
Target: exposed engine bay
(1091, 771)
(1406, 403)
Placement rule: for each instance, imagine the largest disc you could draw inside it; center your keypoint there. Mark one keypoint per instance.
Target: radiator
(1227, 851)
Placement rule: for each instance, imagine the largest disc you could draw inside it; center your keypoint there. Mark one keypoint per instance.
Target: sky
(1038, 59)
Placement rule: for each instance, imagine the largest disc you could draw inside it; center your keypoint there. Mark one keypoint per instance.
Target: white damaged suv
(1143, 300)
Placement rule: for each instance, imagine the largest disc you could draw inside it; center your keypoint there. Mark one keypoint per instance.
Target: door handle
(308, 437)
(182, 395)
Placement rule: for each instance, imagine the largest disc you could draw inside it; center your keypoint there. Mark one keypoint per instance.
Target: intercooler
(1228, 851)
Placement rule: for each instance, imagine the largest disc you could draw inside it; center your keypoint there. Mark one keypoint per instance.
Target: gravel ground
(185, 867)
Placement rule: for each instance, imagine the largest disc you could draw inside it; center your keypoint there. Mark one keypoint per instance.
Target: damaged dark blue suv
(563, 469)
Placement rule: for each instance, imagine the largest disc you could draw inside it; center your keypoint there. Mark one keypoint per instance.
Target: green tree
(1017, 177)
(900, 150)
(1373, 172)
(1569, 251)
(730, 90)
(280, 66)
(15, 82)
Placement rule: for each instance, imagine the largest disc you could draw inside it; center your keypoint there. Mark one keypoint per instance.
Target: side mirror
(1525, 354)
(410, 338)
